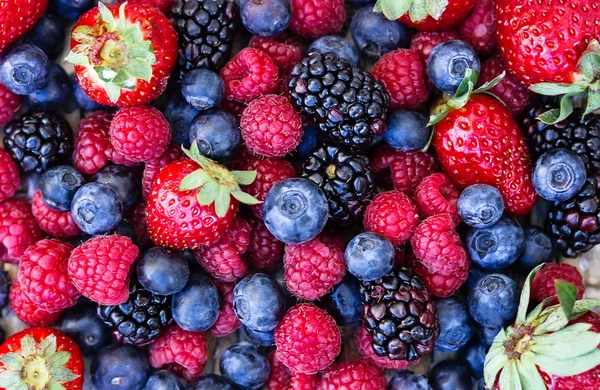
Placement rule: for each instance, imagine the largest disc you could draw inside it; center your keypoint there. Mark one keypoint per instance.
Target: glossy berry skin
(184, 353)
(248, 75)
(55, 92)
(26, 311)
(196, 307)
(123, 180)
(255, 366)
(180, 114)
(375, 35)
(369, 256)
(71, 9)
(264, 250)
(96, 208)
(436, 194)
(92, 148)
(493, 300)
(407, 130)
(410, 168)
(82, 99)
(542, 285)
(537, 249)
(58, 186)
(392, 215)
(266, 18)
(316, 18)
(26, 13)
(448, 63)
(479, 28)
(338, 45)
(217, 133)
(408, 380)
(352, 374)
(202, 88)
(497, 246)
(50, 221)
(164, 380)
(18, 229)
(364, 344)
(559, 175)
(510, 90)
(10, 103)
(24, 69)
(162, 271)
(284, 49)
(343, 302)
(122, 364)
(10, 181)
(424, 42)
(456, 326)
(455, 12)
(474, 354)
(82, 324)
(264, 339)
(209, 382)
(227, 322)
(480, 205)
(451, 375)
(262, 314)
(4, 289)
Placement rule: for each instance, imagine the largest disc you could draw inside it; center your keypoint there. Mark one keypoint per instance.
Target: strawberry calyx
(418, 10)
(215, 184)
(543, 338)
(113, 50)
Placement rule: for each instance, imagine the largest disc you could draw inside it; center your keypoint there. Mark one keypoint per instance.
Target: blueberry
(538, 249)
(475, 273)
(202, 88)
(209, 382)
(295, 210)
(24, 69)
(71, 9)
(451, 375)
(217, 133)
(264, 339)
(375, 35)
(474, 354)
(343, 302)
(559, 174)
(369, 256)
(338, 45)
(83, 100)
(123, 180)
(456, 326)
(164, 380)
(448, 63)
(497, 246)
(54, 94)
(180, 114)
(407, 131)
(96, 208)
(48, 34)
(58, 186)
(494, 300)
(488, 334)
(258, 302)
(266, 18)
(480, 205)
(408, 380)
(120, 367)
(308, 142)
(4, 288)
(196, 307)
(83, 325)
(162, 271)
(244, 366)
(279, 276)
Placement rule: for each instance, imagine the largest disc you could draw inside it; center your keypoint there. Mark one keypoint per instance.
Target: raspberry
(99, 268)
(241, 157)
(44, 278)
(140, 134)
(302, 381)
(53, 222)
(410, 168)
(180, 351)
(436, 194)
(382, 158)
(265, 250)
(479, 28)
(270, 126)
(152, 168)
(268, 172)
(140, 227)
(316, 18)
(18, 229)
(424, 42)
(307, 339)
(279, 376)
(393, 215)
(238, 235)
(249, 75)
(365, 348)
(227, 322)
(10, 181)
(401, 72)
(283, 49)
(233, 107)
(543, 287)
(26, 311)
(357, 374)
(312, 269)
(9, 105)
(515, 95)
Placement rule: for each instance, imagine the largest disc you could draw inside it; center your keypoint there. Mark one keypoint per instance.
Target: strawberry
(17, 17)
(190, 203)
(40, 358)
(123, 54)
(426, 15)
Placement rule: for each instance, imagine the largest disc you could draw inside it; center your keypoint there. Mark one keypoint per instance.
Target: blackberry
(345, 177)
(38, 141)
(574, 225)
(205, 30)
(401, 315)
(348, 104)
(140, 319)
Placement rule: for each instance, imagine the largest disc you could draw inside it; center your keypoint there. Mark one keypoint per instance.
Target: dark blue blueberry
(343, 302)
(54, 94)
(83, 100)
(266, 18)
(451, 375)
(264, 339)
(448, 63)
(196, 307)
(407, 131)
(209, 382)
(82, 324)
(489, 334)
(24, 69)
(48, 34)
(295, 210)
(475, 273)
(369, 256)
(202, 88)
(120, 367)
(456, 325)
(538, 249)
(96, 208)
(474, 353)
(71, 9)
(308, 142)
(125, 228)
(279, 276)
(359, 3)
(338, 45)
(481, 385)
(480, 205)
(559, 174)
(180, 114)
(244, 366)
(217, 133)
(497, 246)
(4, 288)
(258, 302)
(123, 180)
(164, 380)
(162, 271)
(58, 186)
(375, 35)
(408, 380)
(494, 300)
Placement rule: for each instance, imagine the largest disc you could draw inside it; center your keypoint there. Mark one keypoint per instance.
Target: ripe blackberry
(205, 29)
(345, 177)
(574, 225)
(401, 315)
(349, 105)
(38, 141)
(140, 319)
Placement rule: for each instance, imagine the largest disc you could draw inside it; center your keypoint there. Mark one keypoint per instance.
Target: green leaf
(48, 346)
(194, 180)
(418, 10)
(122, 25)
(105, 74)
(107, 16)
(244, 197)
(77, 58)
(495, 360)
(471, 76)
(378, 6)
(121, 79)
(556, 115)
(14, 361)
(27, 346)
(459, 101)
(12, 380)
(113, 91)
(133, 35)
(394, 9)
(529, 375)
(83, 34)
(566, 343)
(568, 367)
(140, 69)
(593, 99)
(509, 377)
(556, 320)
(53, 385)
(436, 118)
(140, 50)
(436, 8)
(59, 358)
(222, 201)
(63, 375)
(208, 193)
(567, 294)
(555, 89)
(589, 63)
(491, 84)
(534, 314)
(244, 178)
(582, 306)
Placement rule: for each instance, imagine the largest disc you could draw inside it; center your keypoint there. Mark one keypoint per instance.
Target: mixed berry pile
(347, 186)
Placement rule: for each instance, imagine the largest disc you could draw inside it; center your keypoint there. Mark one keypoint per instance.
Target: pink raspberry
(279, 376)
(18, 229)
(479, 28)
(410, 168)
(264, 251)
(302, 381)
(316, 18)
(10, 181)
(543, 287)
(249, 75)
(238, 235)
(9, 105)
(152, 168)
(307, 339)
(53, 222)
(99, 268)
(424, 42)
(392, 215)
(285, 51)
(357, 374)
(515, 95)
(364, 345)
(227, 322)
(26, 311)
(436, 194)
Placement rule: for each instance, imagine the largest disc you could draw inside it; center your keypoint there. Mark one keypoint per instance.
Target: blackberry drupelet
(140, 319)
(401, 315)
(348, 104)
(205, 29)
(38, 141)
(345, 177)
(574, 225)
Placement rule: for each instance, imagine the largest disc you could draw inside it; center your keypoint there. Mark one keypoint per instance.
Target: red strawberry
(426, 15)
(40, 358)
(123, 54)
(17, 17)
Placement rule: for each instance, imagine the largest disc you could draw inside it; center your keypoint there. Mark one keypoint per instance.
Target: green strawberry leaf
(567, 294)
(471, 76)
(491, 84)
(105, 74)
(589, 63)
(528, 373)
(139, 69)
(393, 9)
(244, 178)
(77, 58)
(107, 16)
(140, 50)
(122, 24)
(496, 359)
(555, 89)
(378, 6)
(47, 346)
(593, 98)
(194, 180)
(53, 385)
(436, 8)
(133, 35)
(244, 197)
(208, 193)
(554, 116)
(525, 294)
(418, 10)
(10, 379)
(459, 101)
(113, 91)
(63, 374)
(509, 377)
(535, 313)
(436, 118)
(83, 34)
(28, 345)
(568, 367)
(14, 361)
(222, 201)
(567, 343)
